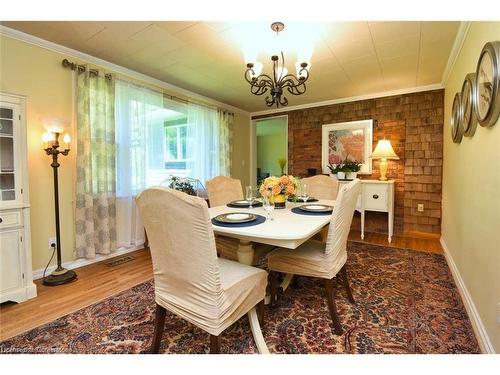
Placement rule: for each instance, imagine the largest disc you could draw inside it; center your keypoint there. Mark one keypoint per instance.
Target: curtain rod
(83, 68)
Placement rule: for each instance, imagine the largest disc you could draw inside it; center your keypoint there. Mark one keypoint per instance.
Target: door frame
(253, 146)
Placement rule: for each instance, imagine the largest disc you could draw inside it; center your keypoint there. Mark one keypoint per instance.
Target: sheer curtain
(202, 143)
(95, 210)
(140, 141)
(151, 146)
(208, 142)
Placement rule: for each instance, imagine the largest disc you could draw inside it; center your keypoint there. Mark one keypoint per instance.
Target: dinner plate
(243, 203)
(235, 217)
(316, 208)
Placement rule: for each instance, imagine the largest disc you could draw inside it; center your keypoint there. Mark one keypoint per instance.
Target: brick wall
(414, 125)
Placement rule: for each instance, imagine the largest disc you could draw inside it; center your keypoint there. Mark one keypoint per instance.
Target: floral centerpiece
(278, 188)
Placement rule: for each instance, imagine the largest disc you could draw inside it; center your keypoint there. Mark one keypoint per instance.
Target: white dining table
(287, 229)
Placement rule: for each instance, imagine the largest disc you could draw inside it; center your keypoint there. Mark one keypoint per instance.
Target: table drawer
(10, 219)
(375, 197)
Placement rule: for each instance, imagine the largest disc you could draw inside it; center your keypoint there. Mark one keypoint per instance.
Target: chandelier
(263, 83)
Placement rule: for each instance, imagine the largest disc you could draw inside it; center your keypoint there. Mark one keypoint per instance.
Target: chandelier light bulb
(299, 66)
(257, 68)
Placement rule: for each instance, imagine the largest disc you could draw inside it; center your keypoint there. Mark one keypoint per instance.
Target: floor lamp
(51, 146)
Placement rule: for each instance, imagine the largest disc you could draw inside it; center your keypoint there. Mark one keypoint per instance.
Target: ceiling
(348, 58)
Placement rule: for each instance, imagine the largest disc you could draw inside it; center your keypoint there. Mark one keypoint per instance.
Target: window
(175, 149)
(157, 138)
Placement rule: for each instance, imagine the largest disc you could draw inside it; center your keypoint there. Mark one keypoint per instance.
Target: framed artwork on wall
(487, 95)
(351, 140)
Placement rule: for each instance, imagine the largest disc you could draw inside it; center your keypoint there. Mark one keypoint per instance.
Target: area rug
(406, 302)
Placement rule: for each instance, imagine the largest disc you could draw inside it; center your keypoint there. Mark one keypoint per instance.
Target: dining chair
(189, 279)
(321, 187)
(315, 259)
(222, 190)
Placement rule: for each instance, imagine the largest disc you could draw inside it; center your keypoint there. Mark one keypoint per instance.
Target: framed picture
(487, 95)
(469, 119)
(351, 140)
(456, 119)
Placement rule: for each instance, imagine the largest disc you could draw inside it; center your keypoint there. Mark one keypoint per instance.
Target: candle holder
(60, 275)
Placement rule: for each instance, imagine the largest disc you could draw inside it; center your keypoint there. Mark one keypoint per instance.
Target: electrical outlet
(52, 243)
(420, 207)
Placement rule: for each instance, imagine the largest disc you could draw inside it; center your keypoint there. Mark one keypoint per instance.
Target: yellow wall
(240, 163)
(37, 73)
(471, 193)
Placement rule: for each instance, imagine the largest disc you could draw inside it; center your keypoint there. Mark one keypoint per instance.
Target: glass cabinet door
(7, 159)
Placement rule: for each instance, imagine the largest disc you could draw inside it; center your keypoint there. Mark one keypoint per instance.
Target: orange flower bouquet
(278, 188)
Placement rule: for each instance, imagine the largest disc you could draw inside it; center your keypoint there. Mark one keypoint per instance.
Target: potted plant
(282, 163)
(352, 167)
(337, 170)
(180, 184)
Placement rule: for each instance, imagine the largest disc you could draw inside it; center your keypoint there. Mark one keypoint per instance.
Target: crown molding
(375, 95)
(462, 32)
(31, 39)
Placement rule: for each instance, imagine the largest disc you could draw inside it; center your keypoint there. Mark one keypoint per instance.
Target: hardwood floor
(99, 281)
(95, 282)
(427, 244)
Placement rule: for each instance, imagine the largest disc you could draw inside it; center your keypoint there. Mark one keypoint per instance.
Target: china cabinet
(16, 279)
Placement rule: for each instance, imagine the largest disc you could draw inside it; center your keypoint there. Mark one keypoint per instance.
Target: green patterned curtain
(225, 134)
(96, 172)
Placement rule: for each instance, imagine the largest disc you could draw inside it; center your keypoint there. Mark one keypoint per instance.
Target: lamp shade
(384, 150)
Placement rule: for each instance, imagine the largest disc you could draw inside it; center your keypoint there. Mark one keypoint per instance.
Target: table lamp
(383, 151)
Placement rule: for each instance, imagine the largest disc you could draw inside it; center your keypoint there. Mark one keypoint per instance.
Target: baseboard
(77, 263)
(477, 324)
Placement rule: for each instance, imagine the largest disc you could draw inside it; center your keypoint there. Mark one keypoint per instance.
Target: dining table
(288, 228)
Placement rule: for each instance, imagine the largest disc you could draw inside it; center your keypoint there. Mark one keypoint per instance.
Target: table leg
(286, 281)
(391, 225)
(256, 332)
(362, 224)
(245, 252)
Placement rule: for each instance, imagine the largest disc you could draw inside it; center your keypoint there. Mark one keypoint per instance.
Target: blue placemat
(298, 211)
(260, 219)
(256, 204)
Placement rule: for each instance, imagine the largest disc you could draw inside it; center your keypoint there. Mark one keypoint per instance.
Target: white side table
(376, 196)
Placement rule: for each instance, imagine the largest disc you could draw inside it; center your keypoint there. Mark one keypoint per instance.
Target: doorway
(272, 147)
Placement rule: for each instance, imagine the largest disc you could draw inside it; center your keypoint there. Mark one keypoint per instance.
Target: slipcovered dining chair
(189, 279)
(222, 190)
(321, 187)
(314, 259)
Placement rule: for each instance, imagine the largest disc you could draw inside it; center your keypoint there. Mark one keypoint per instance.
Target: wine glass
(268, 204)
(305, 193)
(250, 195)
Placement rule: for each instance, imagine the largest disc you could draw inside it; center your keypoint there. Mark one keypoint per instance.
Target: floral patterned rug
(406, 302)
